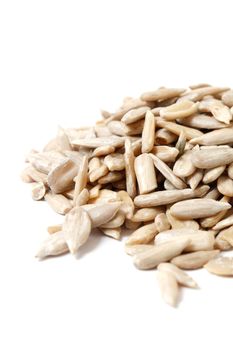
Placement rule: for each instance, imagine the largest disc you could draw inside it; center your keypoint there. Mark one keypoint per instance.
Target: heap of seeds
(161, 166)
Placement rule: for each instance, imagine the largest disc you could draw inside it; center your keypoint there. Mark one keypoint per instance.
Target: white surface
(60, 62)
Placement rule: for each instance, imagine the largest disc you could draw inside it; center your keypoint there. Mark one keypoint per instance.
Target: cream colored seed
(212, 194)
(148, 133)
(165, 153)
(105, 196)
(167, 185)
(129, 169)
(230, 171)
(197, 208)
(145, 173)
(216, 137)
(226, 222)
(161, 94)
(59, 203)
(168, 287)
(101, 213)
(184, 167)
(127, 206)
(199, 240)
(134, 115)
(94, 191)
(181, 109)
(162, 253)
(114, 141)
(137, 248)
(190, 133)
(177, 223)
(194, 179)
(198, 94)
(115, 222)
(38, 191)
(202, 121)
(225, 185)
(146, 214)
(98, 173)
(195, 260)
(81, 179)
(213, 174)
(181, 277)
(60, 179)
(103, 151)
(94, 164)
(76, 228)
(167, 172)
(164, 137)
(181, 143)
(115, 161)
(131, 225)
(167, 197)
(112, 176)
(227, 98)
(221, 243)
(222, 266)
(54, 245)
(82, 198)
(143, 235)
(211, 158)
(112, 232)
(227, 235)
(54, 228)
(162, 222)
(212, 220)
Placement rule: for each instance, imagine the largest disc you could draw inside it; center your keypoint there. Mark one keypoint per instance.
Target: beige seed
(54, 245)
(197, 208)
(184, 167)
(76, 228)
(226, 222)
(161, 253)
(103, 151)
(146, 214)
(134, 115)
(212, 158)
(112, 232)
(105, 196)
(131, 225)
(101, 213)
(167, 197)
(167, 172)
(177, 223)
(142, 235)
(220, 243)
(181, 109)
(168, 287)
(181, 143)
(202, 121)
(198, 94)
(227, 98)
(81, 179)
(161, 94)
(30, 174)
(190, 133)
(115, 162)
(127, 206)
(148, 133)
(137, 248)
(227, 235)
(82, 198)
(195, 260)
(230, 171)
(212, 220)
(59, 203)
(116, 221)
(212, 194)
(168, 186)
(181, 277)
(161, 222)
(212, 174)
(164, 137)
(225, 185)
(222, 266)
(194, 179)
(94, 191)
(165, 153)
(38, 191)
(112, 176)
(44, 162)
(199, 240)
(60, 179)
(145, 173)
(216, 137)
(114, 141)
(98, 173)
(129, 169)
(94, 164)
(54, 228)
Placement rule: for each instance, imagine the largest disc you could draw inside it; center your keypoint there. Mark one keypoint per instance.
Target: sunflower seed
(222, 266)
(143, 235)
(181, 277)
(195, 260)
(38, 191)
(148, 133)
(54, 245)
(168, 287)
(59, 203)
(145, 173)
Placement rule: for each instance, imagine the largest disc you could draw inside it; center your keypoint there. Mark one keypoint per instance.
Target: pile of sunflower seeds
(161, 167)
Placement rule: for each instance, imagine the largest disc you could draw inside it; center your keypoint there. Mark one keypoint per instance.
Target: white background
(60, 62)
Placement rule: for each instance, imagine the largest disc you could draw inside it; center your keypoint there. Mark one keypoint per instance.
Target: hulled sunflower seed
(182, 277)
(222, 266)
(145, 173)
(195, 260)
(168, 287)
(54, 245)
